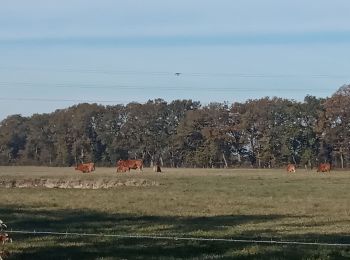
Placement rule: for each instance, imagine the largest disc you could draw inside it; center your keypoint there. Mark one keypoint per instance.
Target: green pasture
(206, 203)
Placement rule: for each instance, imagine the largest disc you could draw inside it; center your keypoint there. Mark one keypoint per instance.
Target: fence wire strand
(176, 238)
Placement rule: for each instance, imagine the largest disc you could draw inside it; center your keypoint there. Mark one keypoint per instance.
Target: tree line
(265, 132)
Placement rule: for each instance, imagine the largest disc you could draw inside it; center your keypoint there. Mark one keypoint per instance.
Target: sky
(54, 54)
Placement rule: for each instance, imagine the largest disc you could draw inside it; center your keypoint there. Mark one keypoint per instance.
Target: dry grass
(232, 203)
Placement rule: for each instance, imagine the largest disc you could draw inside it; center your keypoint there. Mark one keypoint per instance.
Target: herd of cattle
(126, 165)
(323, 167)
(122, 166)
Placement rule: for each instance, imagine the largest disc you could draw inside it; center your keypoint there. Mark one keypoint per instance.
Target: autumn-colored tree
(336, 131)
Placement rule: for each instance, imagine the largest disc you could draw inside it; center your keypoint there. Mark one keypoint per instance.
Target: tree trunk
(342, 160)
(239, 158)
(152, 159)
(36, 153)
(172, 163)
(224, 158)
(82, 155)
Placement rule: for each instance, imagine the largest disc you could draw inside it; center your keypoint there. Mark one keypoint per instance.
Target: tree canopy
(265, 132)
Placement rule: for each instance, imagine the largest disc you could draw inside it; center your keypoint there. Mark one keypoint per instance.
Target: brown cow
(124, 165)
(85, 167)
(290, 168)
(122, 168)
(82, 167)
(324, 167)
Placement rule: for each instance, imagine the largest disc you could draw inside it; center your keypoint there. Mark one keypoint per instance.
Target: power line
(179, 74)
(158, 88)
(199, 239)
(60, 100)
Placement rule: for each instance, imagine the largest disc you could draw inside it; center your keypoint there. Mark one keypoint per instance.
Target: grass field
(208, 203)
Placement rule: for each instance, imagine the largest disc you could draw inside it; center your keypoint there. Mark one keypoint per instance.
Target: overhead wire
(61, 100)
(159, 88)
(179, 73)
(145, 87)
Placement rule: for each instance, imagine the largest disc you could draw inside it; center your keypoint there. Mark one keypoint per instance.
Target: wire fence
(179, 238)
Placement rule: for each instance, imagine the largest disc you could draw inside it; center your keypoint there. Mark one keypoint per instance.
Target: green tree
(13, 135)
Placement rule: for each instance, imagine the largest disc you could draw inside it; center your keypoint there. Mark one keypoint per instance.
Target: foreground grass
(242, 204)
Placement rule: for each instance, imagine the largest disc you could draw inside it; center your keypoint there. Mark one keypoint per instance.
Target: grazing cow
(126, 165)
(290, 168)
(324, 167)
(85, 167)
(122, 168)
(5, 238)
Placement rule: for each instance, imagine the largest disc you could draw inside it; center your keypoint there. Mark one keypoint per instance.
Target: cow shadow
(88, 221)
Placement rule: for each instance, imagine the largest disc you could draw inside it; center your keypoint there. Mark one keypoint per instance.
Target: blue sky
(54, 55)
